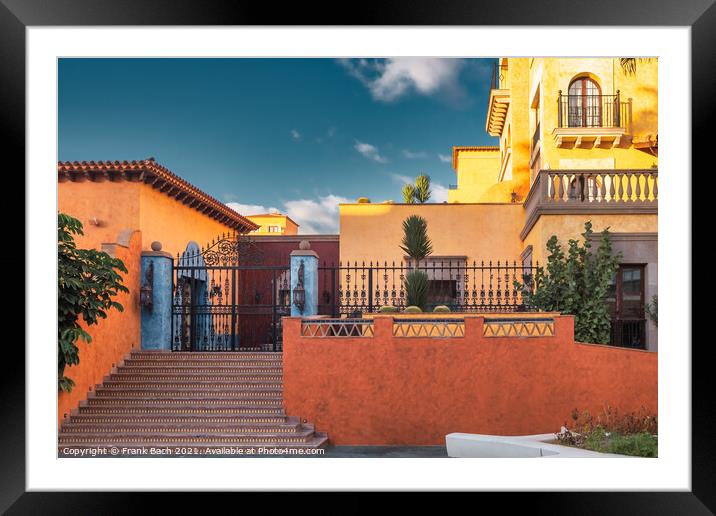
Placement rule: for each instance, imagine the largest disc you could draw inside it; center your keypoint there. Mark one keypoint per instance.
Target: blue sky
(293, 135)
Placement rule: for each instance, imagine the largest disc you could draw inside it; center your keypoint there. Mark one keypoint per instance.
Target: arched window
(585, 103)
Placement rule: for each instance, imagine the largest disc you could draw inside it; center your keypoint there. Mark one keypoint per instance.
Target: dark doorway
(626, 307)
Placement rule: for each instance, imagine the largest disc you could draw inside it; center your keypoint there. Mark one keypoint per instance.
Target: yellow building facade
(577, 141)
(274, 224)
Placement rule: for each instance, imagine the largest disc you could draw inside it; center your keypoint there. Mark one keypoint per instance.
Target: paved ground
(385, 452)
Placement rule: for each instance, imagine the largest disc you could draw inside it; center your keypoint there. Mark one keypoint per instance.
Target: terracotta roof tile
(152, 173)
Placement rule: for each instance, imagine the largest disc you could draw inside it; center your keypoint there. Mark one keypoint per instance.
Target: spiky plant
(416, 289)
(416, 242)
(422, 188)
(408, 192)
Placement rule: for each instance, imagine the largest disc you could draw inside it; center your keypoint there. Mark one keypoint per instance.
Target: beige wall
(572, 226)
(478, 231)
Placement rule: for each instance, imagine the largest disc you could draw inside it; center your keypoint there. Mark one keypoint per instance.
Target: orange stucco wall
(108, 209)
(118, 206)
(372, 232)
(414, 391)
(113, 337)
(173, 223)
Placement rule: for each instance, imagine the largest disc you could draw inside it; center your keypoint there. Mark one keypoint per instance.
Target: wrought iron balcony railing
(591, 111)
(591, 191)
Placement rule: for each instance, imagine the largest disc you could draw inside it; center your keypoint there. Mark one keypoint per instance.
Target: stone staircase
(190, 403)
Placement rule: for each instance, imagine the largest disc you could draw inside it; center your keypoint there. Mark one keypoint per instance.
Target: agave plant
(416, 242)
(408, 192)
(422, 188)
(416, 289)
(417, 245)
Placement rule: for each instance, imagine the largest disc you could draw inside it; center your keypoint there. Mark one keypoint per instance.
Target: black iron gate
(226, 299)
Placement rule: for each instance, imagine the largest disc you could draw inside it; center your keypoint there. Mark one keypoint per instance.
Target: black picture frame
(17, 15)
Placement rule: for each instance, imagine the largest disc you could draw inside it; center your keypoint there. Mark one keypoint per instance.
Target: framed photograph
(419, 252)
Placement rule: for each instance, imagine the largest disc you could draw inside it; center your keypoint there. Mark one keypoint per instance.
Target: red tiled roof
(159, 177)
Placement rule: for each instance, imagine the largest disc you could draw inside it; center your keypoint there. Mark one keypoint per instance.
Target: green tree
(87, 281)
(422, 188)
(408, 192)
(417, 245)
(576, 283)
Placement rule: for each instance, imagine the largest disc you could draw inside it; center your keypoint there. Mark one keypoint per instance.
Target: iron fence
(353, 288)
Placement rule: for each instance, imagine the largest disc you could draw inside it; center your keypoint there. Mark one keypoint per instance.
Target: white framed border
(671, 471)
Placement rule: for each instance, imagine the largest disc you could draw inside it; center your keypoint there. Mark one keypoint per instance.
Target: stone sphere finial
(156, 246)
(304, 245)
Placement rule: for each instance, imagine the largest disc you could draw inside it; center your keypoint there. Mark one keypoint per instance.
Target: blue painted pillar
(307, 259)
(157, 316)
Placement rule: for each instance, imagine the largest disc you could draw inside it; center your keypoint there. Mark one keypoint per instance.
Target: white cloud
(444, 158)
(314, 216)
(440, 193)
(399, 178)
(369, 151)
(251, 209)
(390, 79)
(414, 155)
(295, 134)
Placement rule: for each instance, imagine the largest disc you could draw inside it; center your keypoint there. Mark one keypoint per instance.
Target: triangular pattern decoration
(333, 328)
(453, 328)
(519, 328)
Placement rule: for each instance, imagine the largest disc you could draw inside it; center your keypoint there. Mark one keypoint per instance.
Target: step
(199, 362)
(204, 394)
(196, 410)
(183, 355)
(176, 419)
(187, 436)
(184, 428)
(194, 377)
(221, 390)
(184, 369)
(111, 382)
(193, 402)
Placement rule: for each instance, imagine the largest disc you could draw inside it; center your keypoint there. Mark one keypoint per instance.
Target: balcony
(591, 191)
(591, 120)
(499, 101)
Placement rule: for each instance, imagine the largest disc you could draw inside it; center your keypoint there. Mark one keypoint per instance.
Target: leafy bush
(441, 309)
(386, 309)
(416, 289)
(577, 284)
(363, 200)
(413, 310)
(87, 281)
